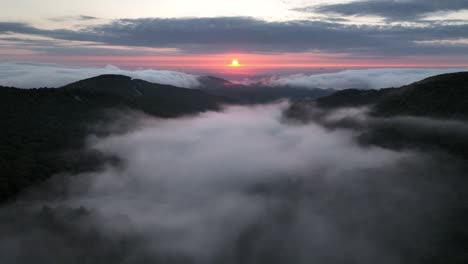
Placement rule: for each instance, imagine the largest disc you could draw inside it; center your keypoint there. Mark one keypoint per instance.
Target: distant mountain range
(258, 92)
(41, 129)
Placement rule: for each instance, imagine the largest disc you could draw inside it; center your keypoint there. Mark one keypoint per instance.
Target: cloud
(239, 186)
(73, 18)
(360, 79)
(394, 10)
(35, 75)
(201, 35)
(83, 17)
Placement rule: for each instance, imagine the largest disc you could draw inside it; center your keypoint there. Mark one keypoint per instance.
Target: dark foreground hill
(442, 96)
(40, 127)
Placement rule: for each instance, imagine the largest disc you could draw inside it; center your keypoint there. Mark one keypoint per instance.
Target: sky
(266, 36)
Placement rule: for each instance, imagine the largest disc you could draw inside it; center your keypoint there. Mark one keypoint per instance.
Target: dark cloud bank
(393, 10)
(247, 185)
(201, 35)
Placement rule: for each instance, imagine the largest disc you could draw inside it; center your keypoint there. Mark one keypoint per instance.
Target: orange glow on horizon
(257, 63)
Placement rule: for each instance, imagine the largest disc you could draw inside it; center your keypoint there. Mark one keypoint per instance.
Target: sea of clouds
(245, 185)
(35, 75)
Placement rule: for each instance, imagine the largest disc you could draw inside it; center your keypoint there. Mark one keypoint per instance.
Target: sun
(235, 63)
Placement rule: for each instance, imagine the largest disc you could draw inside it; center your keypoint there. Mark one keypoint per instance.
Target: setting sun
(235, 63)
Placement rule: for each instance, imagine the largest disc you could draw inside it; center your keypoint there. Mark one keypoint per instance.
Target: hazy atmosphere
(237, 132)
(244, 184)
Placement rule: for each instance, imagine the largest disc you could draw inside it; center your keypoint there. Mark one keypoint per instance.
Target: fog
(245, 185)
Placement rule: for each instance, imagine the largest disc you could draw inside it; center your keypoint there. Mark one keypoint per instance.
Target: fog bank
(241, 186)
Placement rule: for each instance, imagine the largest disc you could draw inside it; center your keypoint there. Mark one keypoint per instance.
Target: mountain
(155, 99)
(442, 96)
(426, 115)
(353, 98)
(257, 92)
(40, 129)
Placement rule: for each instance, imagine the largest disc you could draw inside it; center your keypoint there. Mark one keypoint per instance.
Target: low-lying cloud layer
(241, 186)
(35, 75)
(360, 79)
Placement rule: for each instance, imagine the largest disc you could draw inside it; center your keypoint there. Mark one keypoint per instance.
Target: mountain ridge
(39, 126)
(440, 96)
